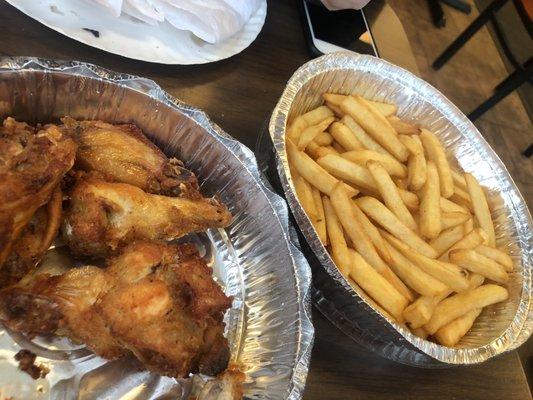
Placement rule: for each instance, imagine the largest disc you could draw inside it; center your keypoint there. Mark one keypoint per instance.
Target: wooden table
(239, 94)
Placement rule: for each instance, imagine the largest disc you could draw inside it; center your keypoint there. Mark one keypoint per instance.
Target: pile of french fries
(414, 235)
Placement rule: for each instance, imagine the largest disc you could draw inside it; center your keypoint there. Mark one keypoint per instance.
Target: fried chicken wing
(102, 216)
(31, 167)
(123, 153)
(143, 302)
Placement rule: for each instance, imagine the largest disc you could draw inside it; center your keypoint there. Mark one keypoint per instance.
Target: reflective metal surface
(501, 327)
(255, 258)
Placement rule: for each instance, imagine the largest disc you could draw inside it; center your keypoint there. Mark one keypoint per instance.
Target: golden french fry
(316, 116)
(338, 147)
(497, 255)
(402, 127)
(400, 183)
(323, 150)
(416, 164)
(375, 124)
(381, 214)
(418, 313)
(448, 206)
(450, 219)
(312, 172)
(347, 171)
(345, 211)
(430, 214)
(449, 274)
(462, 198)
(435, 152)
(361, 157)
(305, 196)
(324, 139)
(333, 99)
(296, 128)
(413, 146)
(449, 335)
(365, 139)
(447, 239)
(479, 264)
(390, 194)
(312, 131)
(470, 241)
(342, 134)
(377, 287)
(320, 220)
(410, 200)
(312, 149)
(459, 304)
(459, 180)
(336, 240)
(481, 208)
(369, 299)
(420, 332)
(373, 234)
(384, 109)
(468, 226)
(418, 280)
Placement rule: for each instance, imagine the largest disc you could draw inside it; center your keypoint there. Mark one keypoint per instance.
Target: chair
(522, 72)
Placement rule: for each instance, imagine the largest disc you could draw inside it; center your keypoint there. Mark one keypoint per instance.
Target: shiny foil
(501, 327)
(254, 259)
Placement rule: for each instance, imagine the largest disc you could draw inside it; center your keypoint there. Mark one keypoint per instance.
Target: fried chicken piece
(31, 169)
(123, 153)
(33, 242)
(141, 303)
(102, 216)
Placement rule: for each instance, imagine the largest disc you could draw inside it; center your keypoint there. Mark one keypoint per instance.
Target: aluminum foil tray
(500, 328)
(254, 259)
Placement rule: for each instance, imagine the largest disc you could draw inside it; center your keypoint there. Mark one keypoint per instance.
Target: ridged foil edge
(354, 315)
(146, 86)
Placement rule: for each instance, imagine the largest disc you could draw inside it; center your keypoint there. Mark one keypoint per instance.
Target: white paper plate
(131, 38)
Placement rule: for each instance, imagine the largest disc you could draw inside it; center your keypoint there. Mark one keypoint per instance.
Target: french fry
(459, 180)
(410, 200)
(324, 139)
(479, 264)
(333, 99)
(497, 255)
(369, 299)
(462, 198)
(448, 274)
(430, 214)
(468, 226)
(400, 183)
(320, 220)
(470, 241)
(459, 304)
(481, 208)
(411, 144)
(361, 157)
(418, 313)
(414, 277)
(447, 239)
(402, 127)
(336, 239)
(338, 148)
(312, 149)
(448, 206)
(296, 128)
(342, 134)
(384, 109)
(305, 196)
(345, 211)
(347, 171)
(450, 219)
(323, 150)
(312, 131)
(416, 166)
(390, 194)
(435, 152)
(312, 172)
(420, 332)
(373, 233)
(449, 335)
(376, 125)
(381, 214)
(316, 116)
(365, 139)
(377, 287)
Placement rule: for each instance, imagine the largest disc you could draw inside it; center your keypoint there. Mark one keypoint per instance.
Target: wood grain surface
(239, 95)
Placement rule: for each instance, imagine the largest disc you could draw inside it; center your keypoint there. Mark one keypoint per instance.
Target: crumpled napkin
(210, 20)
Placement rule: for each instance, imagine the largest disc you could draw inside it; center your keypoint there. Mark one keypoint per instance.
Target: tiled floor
(468, 79)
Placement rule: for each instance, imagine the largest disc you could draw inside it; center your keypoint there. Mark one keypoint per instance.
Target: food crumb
(26, 360)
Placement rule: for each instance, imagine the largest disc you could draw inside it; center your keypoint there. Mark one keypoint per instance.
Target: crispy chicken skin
(140, 303)
(102, 216)
(31, 167)
(35, 239)
(124, 154)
